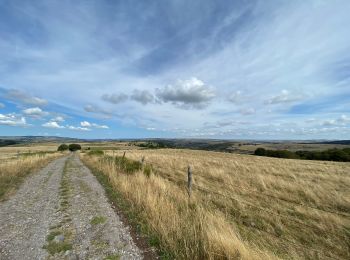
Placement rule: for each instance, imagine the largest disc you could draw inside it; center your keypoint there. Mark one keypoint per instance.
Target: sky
(268, 69)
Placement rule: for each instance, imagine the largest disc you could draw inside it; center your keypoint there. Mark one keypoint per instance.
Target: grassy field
(17, 162)
(242, 207)
(13, 152)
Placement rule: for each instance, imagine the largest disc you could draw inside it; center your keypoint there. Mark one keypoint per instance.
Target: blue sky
(194, 69)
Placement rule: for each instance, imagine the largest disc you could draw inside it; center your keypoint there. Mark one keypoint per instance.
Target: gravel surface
(62, 213)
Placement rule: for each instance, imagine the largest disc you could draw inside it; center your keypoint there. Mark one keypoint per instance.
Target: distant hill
(16, 140)
(344, 142)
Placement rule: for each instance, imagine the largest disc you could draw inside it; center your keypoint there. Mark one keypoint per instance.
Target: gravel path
(62, 213)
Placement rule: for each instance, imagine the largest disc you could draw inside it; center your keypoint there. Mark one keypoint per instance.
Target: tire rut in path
(64, 209)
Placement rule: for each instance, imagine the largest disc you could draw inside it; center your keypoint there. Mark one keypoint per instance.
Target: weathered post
(124, 155)
(189, 181)
(142, 160)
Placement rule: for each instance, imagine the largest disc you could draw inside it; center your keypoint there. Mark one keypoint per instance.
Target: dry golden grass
(242, 206)
(11, 152)
(13, 170)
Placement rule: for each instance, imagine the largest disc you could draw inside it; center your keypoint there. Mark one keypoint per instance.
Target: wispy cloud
(253, 62)
(142, 96)
(115, 98)
(285, 97)
(22, 97)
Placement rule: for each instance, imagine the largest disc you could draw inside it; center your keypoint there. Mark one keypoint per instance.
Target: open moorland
(241, 206)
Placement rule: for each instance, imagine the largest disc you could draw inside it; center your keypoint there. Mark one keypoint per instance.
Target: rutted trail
(62, 213)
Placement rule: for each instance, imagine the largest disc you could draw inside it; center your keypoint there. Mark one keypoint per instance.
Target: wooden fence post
(124, 155)
(142, 160)
(189, 181)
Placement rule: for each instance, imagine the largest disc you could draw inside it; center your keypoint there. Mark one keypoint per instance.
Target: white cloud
(12, 120)
(284, 97)
(88, 124)
(58, 119)
(35, 112)
(100, 126)
(78, 128)
(343, 119)
(85, 124)
(191, 93)
(52, 124)
(19, 96)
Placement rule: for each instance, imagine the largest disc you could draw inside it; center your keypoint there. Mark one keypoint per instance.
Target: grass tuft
(98, 220)
(54, 248)
(112, 257)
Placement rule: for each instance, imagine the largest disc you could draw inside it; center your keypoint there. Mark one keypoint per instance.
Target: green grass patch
(112, 257)
(147, 170)
(128, 165)
(98, 220)
(96, 152)
(52, 235)
(54, 248)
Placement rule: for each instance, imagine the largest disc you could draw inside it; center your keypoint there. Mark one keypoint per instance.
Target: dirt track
(61, 212)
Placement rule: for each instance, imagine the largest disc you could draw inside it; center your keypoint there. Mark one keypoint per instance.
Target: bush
(260, 152)
(62, 147)
(74, 147)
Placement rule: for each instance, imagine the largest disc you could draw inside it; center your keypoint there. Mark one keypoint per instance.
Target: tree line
(338, 155)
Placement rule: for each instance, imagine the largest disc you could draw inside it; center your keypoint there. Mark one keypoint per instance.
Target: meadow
(242, 206)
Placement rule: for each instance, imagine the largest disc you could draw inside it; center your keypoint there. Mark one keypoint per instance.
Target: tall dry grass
(13, 171)
(242, 206)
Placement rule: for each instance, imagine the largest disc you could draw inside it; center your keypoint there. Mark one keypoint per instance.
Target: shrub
(260, 152)
(74, 147)
(62, 147)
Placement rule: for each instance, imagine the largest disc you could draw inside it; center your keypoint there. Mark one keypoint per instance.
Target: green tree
(74, 147)
(62, 147)
(260, 152)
